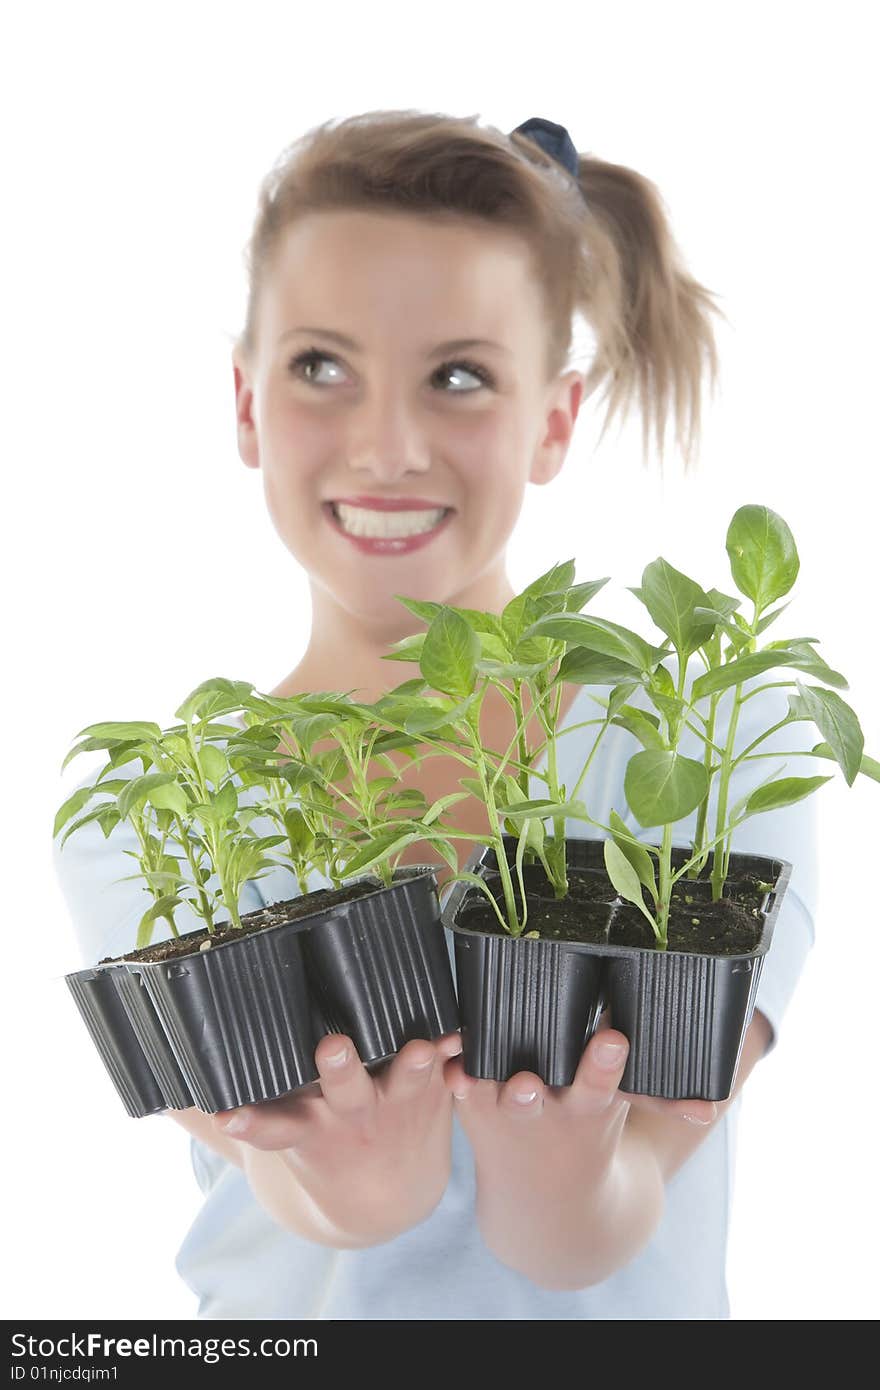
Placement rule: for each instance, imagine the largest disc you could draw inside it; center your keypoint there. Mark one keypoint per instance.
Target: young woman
(401, 377)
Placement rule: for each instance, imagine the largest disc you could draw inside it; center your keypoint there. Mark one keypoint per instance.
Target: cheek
(494, 468)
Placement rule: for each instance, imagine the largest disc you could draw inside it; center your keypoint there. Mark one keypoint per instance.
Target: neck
(345, 650)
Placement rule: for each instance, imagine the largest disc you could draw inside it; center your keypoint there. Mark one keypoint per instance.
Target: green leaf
(70, 807)
(213, 763)
(122, 752)
(381, 784)
(744, 668)
(579, 595)
(493, 648)
(440, 806)
(582, 667)
(664, 787)
(739, 638)
(835, 719)
(769, 618)
(474, 787)
(106, 815)
(415, 686)
(521, 610)
(620, 694)
(444, 847)
(624, 877)
(407, 649)
(869, 767)
(475, 617)
(513, 670)
(725, 604)
(139, 788)
(637, 855)
(811, 663)
(599, 635)
(163, 907)
(572, 810)
(380, 848)
(217, 695)
(126, 732)
(645, 727)
(671, 597)
(763, 556)
(782, 793)
(435, 714)
(450, 654)
(169, 797)
(661, 682)
(409, 797)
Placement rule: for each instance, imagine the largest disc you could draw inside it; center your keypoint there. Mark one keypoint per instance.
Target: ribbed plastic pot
(526, 1004)
(684, 1013)
(379, 969)
(238, 1017)
(130, 1039)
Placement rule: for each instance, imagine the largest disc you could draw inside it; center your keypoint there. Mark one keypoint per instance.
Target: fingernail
(698, 1120)
(460, 1095)
(524, 1097)
(420, 1066)
(609, 1055)
(236, 1124)
(337, 1059)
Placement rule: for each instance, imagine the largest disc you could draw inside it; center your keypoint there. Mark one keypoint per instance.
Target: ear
(563, 404)
(248, 446)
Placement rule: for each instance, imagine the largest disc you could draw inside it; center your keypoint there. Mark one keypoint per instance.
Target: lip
(390, 504)
(387, 545)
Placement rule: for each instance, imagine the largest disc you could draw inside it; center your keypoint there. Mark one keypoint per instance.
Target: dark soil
(593, 913)
(583, 915)
(725, 928)
(275, 915)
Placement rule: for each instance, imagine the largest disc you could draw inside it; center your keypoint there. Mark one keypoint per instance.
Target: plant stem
(498, 839)
(721, 854)
(665, 887)
(702, 816)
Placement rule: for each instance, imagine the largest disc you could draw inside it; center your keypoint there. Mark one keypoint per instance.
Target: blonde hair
(605, 251)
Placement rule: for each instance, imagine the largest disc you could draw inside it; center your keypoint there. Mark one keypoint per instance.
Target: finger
(273, 1124)
(698, 1112)
(456, 1079)
(595, 1086)
(522, 1096)
(449, 1045)
(345, 1083)
(410, 1072)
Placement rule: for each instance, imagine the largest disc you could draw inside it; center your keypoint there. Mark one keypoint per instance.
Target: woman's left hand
(522, 1121)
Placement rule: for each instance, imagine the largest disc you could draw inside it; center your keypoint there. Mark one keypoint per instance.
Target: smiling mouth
(373, 524)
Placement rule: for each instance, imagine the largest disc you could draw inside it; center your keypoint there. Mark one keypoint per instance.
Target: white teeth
(362, 521)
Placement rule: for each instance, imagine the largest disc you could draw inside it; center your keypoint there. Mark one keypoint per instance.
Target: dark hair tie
(553, 139)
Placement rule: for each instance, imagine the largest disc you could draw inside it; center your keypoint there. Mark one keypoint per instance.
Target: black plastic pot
(239, 1023)
(238, 1017)
(684, 1013)
(130, 1039)
(379, 969)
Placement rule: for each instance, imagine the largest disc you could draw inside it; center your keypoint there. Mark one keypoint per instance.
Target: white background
(138, 557)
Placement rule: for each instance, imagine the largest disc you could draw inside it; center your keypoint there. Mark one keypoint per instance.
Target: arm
(570, 1187)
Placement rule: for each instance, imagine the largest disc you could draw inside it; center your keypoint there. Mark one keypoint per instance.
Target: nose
(386, 440)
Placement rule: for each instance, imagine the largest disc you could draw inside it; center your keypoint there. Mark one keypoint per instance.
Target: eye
(312, 357)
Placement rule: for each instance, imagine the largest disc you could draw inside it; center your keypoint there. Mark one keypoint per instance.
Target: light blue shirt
(241, 1264)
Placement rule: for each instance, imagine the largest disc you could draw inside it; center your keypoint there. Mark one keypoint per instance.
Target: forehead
(462, 277)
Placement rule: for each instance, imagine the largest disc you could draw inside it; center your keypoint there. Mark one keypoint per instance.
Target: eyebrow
(454, 345)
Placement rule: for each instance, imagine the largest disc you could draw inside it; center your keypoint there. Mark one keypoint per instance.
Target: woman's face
(393, 417)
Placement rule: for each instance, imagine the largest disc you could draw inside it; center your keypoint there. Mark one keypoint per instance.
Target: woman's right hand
(355, 1159)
